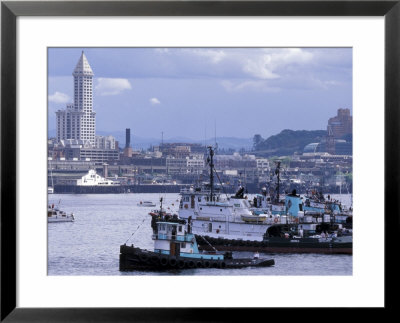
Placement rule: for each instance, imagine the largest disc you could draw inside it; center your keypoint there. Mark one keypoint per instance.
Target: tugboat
(175, 247)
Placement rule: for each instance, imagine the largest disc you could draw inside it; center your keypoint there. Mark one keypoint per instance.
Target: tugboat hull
(132, 258)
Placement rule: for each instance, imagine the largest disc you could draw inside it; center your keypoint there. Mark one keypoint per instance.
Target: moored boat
(284, 238)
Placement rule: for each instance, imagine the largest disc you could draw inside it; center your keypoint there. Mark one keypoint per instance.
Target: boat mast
(277, 172)
(211, 163)
(51, 173)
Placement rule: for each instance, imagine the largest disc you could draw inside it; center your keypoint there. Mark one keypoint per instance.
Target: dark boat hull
(278, 245)
(132, 258)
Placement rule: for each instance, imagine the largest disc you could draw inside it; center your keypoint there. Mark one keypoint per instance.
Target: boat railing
(163, 236)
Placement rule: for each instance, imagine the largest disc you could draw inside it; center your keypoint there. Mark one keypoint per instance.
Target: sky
(205, 92)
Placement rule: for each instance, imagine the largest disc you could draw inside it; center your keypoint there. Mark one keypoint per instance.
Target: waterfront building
(78, 149)
(99, 155)
(195, 163)
(235, 161)
(262, 165)
(176, 165)
(180, 150)
(78, 120)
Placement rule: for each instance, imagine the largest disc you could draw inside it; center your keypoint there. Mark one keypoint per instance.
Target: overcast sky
(190, 92)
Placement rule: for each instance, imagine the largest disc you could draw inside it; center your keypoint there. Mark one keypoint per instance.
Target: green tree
(257, 139)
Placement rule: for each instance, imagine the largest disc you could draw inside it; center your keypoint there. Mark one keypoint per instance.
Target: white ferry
(93, 179)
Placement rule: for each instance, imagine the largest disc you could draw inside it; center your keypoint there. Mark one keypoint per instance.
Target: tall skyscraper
(78, 120)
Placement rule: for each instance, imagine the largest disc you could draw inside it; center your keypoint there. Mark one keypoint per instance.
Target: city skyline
(203, 92)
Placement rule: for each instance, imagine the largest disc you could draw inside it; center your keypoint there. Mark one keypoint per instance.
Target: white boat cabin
(93, 179)
(199, 205)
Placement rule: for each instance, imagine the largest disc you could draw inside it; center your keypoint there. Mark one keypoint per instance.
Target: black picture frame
(10, 10)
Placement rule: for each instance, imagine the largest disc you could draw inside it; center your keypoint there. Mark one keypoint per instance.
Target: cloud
(251, 64)
(214, 55)
(112, 86)
(154, 101)
(255, 85)
(162, 50)
(59, 97)
(271, 63)
(259, 68)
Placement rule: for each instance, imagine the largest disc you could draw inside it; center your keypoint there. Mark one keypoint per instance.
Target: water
(90, 245)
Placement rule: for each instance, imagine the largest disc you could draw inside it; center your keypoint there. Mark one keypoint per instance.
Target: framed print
(79, 75)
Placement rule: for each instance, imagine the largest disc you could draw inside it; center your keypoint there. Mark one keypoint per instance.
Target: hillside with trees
(287, 142)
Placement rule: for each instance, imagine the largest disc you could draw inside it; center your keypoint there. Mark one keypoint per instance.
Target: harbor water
(90, 245)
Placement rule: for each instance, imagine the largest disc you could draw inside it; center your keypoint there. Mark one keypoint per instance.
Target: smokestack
(105, 170)
(128, 138)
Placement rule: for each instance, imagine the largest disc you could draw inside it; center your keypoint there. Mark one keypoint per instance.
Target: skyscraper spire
(83, 67)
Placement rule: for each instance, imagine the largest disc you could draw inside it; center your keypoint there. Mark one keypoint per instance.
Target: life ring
(154, 260)
(217, 231)
(276, 220)
(172, 262)
(296, 220)
(181, 263)
(143, 257)
(163, 261)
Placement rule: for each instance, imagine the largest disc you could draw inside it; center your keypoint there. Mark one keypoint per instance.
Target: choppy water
(90, 245)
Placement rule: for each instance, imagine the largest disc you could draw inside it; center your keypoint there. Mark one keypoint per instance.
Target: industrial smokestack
(128, 138)
(105, 170)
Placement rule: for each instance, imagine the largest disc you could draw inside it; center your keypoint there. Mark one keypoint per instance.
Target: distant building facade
(333, 143)
(181, 150)
(105, 142)
(75, 149)
(341, 125)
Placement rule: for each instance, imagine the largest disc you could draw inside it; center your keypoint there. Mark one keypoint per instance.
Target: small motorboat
(146, 204)
(54, 214)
